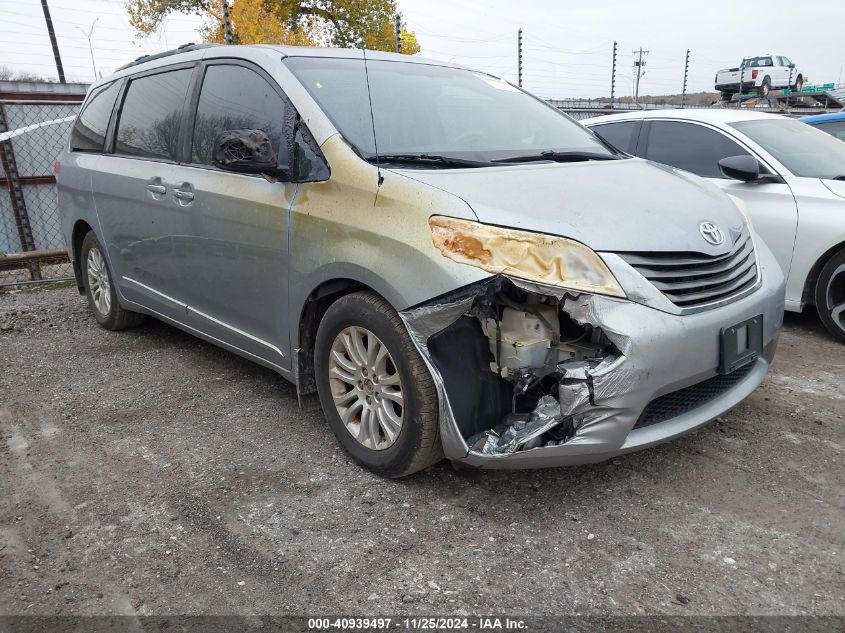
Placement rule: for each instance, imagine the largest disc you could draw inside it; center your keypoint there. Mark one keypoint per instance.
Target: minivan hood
(617, 205)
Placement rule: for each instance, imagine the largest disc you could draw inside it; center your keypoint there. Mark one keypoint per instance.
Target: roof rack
(179, 49)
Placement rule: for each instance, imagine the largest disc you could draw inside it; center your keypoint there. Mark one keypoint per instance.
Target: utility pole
(686, 74)
(90, 48)
(613, 76)
(398, 23)
(639, 66)
(227, 26)
(519, 57)
(53, 41)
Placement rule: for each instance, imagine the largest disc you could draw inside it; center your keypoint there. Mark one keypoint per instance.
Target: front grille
(679, 402)
(692, 279)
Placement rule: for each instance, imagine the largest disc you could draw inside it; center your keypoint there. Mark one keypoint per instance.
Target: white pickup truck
(761, 74)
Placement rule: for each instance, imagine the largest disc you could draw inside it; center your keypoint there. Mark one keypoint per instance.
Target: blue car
(833, 124)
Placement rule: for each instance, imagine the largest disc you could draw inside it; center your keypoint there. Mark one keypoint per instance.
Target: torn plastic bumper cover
(519, 388)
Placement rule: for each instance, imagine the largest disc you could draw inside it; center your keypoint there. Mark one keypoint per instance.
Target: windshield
(437, 111)
(802, 149)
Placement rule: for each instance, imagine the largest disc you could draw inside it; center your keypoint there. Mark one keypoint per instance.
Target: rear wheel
(765, 88)
(99, 288)
(830, 295)
(376, 392)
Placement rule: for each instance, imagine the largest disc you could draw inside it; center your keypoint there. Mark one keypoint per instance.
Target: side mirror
(249, 152)
(744, 168)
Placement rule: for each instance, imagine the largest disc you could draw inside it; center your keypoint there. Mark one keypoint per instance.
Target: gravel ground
(147, 472)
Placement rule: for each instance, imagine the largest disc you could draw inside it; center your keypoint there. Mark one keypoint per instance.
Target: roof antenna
(372, 117)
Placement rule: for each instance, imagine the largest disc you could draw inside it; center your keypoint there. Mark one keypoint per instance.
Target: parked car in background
(790, 176)
(762, 74)
(833, 124)
(455, 267)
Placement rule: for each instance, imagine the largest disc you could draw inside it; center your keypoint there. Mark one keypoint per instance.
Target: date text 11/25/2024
(422, 623)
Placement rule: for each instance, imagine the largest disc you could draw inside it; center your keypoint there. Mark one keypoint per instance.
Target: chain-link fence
(33, 131)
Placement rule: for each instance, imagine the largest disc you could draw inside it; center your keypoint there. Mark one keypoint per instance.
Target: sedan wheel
(835, 297)
(366, 388)
(830, 295)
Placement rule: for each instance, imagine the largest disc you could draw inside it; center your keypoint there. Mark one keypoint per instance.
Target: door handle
(159, 189)
(183, 195)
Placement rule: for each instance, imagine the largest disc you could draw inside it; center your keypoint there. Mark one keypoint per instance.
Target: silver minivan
(457, 268)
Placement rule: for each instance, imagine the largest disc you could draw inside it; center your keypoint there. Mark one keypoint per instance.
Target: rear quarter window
(89, 130)
(622, 135)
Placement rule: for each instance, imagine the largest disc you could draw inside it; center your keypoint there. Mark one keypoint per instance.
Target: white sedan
(790, 176)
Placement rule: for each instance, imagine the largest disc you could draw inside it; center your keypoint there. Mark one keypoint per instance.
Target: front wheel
(376, 392)
(799, 84)
(99, 288)
(830, 295)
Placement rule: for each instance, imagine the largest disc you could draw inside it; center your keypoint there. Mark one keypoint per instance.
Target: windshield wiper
(428, 159)
(842, 177)
(558, 157)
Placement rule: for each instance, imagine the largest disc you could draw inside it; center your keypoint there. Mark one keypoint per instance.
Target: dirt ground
(147, 472)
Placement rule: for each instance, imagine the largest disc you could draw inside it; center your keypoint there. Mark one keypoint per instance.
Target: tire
(830, 295)
(366, 318)
(99, 288)
(799, 84)
(765, 88)
(727, 96)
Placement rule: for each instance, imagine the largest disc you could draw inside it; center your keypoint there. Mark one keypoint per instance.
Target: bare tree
(7, 74)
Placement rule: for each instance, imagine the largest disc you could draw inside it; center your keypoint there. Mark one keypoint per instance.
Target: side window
(89, 130)
(236, 98)
(834, 128)
(785, 61)
(152, 114)
(690, 147)
(622, 135)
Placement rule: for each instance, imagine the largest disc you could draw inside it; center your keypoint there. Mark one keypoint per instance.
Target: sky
(567, 46)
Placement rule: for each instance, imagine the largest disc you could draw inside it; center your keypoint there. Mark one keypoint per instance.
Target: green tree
(343, 23)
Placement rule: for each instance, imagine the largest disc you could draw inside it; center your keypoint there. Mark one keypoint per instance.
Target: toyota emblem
(711, 233)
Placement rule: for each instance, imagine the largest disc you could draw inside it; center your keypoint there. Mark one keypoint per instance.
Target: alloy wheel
(835, 296)
(99, 283)
(366, 388)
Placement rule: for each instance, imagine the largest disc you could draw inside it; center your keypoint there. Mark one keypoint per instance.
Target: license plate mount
(741, 344)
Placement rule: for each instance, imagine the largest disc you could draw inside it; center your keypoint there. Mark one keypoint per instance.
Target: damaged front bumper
(637, 376)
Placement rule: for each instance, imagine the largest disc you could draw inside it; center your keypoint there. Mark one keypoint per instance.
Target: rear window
(89, 131)
(152, 115)
(758, 62)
